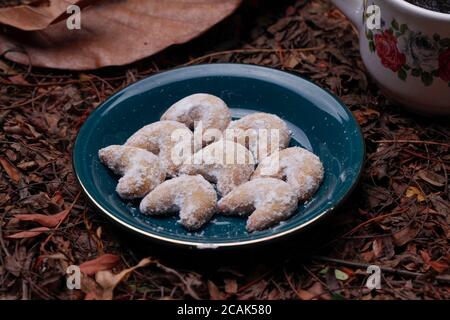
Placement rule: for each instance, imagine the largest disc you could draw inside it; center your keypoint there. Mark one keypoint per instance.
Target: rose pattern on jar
(411, 53)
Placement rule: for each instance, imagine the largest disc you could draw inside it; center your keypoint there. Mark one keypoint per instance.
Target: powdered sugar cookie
(193, 196)
(299, 167)
(172, 141)
(202, 109)
(262, 133)
(267, 200)
(226, 163)
(141, 170)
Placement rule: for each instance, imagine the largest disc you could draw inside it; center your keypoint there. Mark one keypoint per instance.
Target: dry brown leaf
(37, 16)
(44, 220)
(214, 292)
(305, 295)
(365, 114)
(108, 280)
(116, 33)
(28, 233)
(436, 265)
(104, 262)
(439, 267)
(10, 170)
(318, 292)
(377, 247)
(405, 235)
(231, 286)
(413, 191)
(432, 178)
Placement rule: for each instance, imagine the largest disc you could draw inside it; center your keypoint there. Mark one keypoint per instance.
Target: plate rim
(216, 245)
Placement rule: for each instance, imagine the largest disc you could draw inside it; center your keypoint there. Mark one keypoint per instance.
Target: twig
(288, 279)
(62, 220)
(251, 51)
(362, 265)
(373, 220)
(413, 142)
(422, 156)
(255, 281)
(23, 103)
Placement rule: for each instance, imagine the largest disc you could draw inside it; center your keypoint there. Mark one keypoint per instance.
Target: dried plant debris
(397, 219)
(110, 33)
(36, 15)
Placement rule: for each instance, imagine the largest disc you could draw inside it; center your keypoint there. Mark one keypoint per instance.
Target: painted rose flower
(387, 50)
(420, 50)
(444, 65)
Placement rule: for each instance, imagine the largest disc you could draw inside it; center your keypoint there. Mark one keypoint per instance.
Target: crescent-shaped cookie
(262, 133)
(141, 170)
(193, 196)
(267, 200)
(226, 163)
(172, 141)
(200, 109)
(302, 169)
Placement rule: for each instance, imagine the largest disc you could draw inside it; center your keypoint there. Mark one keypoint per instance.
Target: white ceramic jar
(408, 55)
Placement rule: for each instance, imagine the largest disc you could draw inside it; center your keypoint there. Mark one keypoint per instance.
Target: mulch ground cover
(398, 217)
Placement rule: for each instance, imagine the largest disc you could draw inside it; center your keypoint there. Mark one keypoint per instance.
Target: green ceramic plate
(319, 122)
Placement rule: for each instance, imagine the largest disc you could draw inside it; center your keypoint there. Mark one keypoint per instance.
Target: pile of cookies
(263, 180)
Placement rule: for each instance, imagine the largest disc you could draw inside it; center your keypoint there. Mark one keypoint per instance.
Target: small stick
(413, 142)
(251, 51)
(373, 220)
(361, 265)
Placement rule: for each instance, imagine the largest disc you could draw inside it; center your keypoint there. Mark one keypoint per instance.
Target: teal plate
(319, 123)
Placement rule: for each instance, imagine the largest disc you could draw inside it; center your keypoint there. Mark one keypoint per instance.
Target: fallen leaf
(441, 206)
(50, 221)
(432, 178)
(438, 266)
(115, 33)
(425, 256)
(365, 114)
(214, 292)
(58, 198)
(377, 247)
(7, 70)
(104, 262)
(404, 235)
(10, 170)
(413, 191)
(231, 286)
(109, 281)
(28, 233)
(15, 263)
(304, 295)
(37, 16)
(292, 61)
(318, 292)
(340, 275)
(18, 79)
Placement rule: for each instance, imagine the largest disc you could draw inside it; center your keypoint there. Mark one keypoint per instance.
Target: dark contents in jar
(434, 5)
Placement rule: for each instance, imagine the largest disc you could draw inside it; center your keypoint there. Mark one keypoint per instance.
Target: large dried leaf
(108, 281)
(50, 221)
(28, 233)
(116, 33)
(10, 170)
(404, 235)
(104, 262)
(38, 15)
